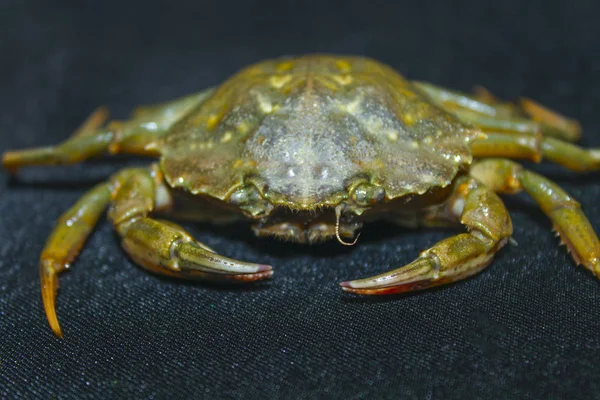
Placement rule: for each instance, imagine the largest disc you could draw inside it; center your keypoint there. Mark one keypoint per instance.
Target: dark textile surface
(527, 327)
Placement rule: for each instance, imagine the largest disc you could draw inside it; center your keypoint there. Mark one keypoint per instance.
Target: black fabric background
(525, 328)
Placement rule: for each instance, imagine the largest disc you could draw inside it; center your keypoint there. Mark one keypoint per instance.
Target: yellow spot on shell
(285, 66)
(392, 135)
(212, 121)
(280, 81)
(343, 79)
(264, 104)
(352, 106)
(243, 127)
(408, 119)
(226, 137)
(343, 65)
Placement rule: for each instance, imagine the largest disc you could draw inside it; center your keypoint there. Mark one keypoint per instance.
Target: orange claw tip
(257, 276)
(263, 268)
(378, 291)
(400, 288)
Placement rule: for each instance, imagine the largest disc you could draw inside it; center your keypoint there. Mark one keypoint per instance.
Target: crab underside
(310, 148)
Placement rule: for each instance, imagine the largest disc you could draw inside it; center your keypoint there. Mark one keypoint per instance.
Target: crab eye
(243, 195)
(248, 199)
(367, 194)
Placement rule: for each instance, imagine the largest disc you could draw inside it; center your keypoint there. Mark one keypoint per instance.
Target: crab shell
(314, 133)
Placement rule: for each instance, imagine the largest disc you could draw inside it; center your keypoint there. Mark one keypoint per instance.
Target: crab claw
(166, 248)
(195, 259)
(420, 274)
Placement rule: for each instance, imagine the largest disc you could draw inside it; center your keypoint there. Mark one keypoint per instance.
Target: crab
(309, 148)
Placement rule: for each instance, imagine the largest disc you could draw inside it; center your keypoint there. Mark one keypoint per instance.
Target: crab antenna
(338, 214)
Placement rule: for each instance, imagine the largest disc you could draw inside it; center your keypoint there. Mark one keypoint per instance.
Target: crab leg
(93, 122)
(74, 150)
(534, 148)
(491, 115)
(162, 247)
(65, 242)
(135, 136)
(553, 124)
(455, 258)
(455, 100)
(575, 230)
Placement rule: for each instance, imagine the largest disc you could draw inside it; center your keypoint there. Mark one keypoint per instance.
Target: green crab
(310, 148)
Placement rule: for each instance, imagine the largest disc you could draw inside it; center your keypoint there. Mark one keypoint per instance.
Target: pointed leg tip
(49, 284)
(595, 267)
(57, 331)
(53, 322)
(9, 161)
(346, 284)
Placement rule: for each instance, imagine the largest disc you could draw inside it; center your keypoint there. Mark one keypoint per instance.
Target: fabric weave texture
(527, 327)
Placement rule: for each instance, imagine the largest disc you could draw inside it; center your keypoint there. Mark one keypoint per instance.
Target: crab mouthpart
(307, 227)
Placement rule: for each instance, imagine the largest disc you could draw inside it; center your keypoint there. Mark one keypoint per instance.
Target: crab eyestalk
(367, 194)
